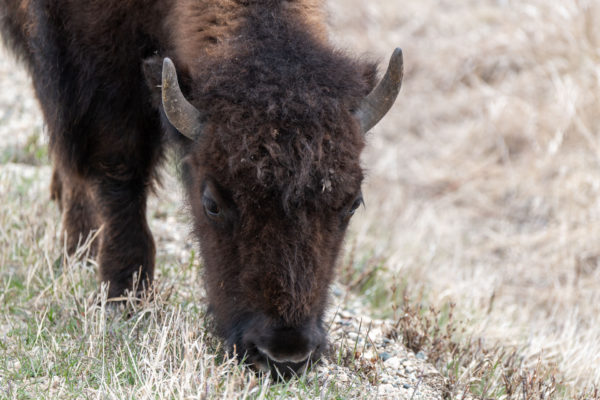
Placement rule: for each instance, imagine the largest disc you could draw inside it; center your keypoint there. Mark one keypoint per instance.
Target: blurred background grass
(484, 180)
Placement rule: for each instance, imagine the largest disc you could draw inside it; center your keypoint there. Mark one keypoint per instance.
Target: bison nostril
(295, 358)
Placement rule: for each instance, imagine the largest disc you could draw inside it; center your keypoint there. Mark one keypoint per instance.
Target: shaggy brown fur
(271, 184)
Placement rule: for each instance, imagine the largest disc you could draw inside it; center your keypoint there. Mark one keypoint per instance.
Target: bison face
(271, 202)
(267, 266)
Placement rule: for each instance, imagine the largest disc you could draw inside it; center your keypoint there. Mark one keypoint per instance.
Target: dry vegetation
(484, 184)
(479, 246)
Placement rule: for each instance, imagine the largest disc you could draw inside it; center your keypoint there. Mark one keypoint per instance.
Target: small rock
(385, 356)
(393, 363)
(421, 356)
(406, 386)
(386, 388)
(342, 377)
(337, 292)
(369, 355)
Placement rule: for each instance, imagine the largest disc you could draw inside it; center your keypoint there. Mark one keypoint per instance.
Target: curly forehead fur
(282, 103)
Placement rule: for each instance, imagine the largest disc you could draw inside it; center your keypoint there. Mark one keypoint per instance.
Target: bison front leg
(126, 245)
(76, 203)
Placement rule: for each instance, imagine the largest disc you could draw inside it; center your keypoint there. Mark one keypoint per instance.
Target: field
(473, 270)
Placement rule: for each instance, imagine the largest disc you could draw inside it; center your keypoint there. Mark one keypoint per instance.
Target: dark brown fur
(280, 151)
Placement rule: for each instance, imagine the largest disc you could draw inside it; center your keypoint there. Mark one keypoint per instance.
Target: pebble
(393, 363)
(386, 388)
(337, 291)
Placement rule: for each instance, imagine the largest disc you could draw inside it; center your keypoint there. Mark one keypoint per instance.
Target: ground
(473, 270)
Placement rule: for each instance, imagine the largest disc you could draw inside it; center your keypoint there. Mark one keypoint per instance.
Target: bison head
(271, 199)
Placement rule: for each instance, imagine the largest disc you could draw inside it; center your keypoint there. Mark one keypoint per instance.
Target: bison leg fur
(75, 200)
(126, 245)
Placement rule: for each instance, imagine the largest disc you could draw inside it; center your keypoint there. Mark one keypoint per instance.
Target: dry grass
(60, 338)
(484, 183)
(482, 191)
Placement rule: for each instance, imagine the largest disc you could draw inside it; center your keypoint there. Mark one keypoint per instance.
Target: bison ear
(370, 77)
(152, 69)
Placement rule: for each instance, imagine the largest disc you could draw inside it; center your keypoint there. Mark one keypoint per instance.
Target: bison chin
(271, 346)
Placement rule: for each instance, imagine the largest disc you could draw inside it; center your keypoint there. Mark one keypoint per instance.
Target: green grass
(33, 152)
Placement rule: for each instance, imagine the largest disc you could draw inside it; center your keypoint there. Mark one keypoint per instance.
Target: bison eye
(210, 206)
(218, 206)
(355, 204)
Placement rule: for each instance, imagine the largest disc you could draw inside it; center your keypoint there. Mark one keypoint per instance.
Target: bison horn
(180, 112)
(380, 100)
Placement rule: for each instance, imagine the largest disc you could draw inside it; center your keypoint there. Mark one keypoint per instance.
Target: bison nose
(287, 345)
(281, 345)
(294, 358)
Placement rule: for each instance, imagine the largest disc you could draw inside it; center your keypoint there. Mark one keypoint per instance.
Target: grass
(471, 366)
(479, 243)
(482, 185)
(59, 338)
(33, 152)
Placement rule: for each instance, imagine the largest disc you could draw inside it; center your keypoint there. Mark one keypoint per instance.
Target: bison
(268, 120)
